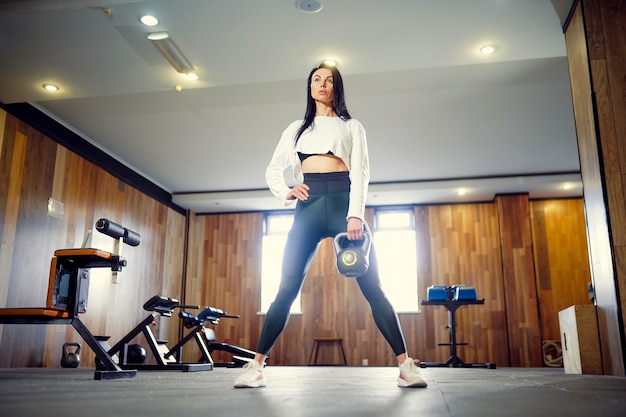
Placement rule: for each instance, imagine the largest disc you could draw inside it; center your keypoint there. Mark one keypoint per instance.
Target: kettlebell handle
(70, 359)
(75, 345)
(342, 239)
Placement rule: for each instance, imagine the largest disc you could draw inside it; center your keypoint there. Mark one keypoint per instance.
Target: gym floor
(312, 391)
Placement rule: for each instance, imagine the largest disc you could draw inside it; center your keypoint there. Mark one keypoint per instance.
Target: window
(276, 228)
(396, 251)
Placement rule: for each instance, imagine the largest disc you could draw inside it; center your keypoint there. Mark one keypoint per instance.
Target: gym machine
(68, 289)
(206, 340)
(158, 306)
(171, 359)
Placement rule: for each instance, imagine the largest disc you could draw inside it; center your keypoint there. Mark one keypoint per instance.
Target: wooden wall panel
(518, 274)
(11, 168)
(173, 266)
(459, 244)
(561, 260)
(35, 168)
(224, 272)
(32, 157)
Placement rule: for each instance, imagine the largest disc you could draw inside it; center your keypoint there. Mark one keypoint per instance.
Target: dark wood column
(519, 282)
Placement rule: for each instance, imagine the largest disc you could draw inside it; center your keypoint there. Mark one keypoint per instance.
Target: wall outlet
(365, 362)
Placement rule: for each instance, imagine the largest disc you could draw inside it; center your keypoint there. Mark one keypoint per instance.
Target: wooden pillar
(519, 283)
(596, 48)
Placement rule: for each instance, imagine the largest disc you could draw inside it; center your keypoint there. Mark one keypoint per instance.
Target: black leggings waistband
(328, 182)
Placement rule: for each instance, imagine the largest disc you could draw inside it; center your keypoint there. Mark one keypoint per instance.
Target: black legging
(324, 215)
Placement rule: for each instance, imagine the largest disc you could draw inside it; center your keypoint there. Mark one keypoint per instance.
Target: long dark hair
(339, 101)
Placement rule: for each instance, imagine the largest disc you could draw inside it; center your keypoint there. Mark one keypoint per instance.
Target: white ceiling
(438, 114)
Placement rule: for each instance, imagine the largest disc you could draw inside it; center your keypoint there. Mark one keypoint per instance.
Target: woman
(328, 153)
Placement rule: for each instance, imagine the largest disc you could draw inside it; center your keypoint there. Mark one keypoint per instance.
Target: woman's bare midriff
(316, 164)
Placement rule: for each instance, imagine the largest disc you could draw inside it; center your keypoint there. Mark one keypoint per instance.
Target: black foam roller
(110, 229)
(131, 238)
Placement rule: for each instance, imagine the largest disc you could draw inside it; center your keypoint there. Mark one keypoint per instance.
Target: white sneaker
(252, 376)
(410, 375)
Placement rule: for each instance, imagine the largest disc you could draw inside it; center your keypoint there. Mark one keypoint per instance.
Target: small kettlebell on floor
(353, 255)
(70, 359)
(136, 354)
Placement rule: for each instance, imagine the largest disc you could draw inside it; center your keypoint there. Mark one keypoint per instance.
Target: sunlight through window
(396, 252)
(277, 227)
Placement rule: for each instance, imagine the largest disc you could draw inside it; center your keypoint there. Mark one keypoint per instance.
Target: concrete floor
(312, 391)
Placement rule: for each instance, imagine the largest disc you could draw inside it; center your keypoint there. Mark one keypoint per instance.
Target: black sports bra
(304, 156)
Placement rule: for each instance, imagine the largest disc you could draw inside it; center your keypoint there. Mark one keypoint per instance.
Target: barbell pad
(131, 238)
(110, 228)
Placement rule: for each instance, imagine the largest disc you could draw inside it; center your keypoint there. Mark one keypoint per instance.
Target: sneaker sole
(417, 384)
(257, 384)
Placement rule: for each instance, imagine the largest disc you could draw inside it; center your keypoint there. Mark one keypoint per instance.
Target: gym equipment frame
(454, 361)
(157, 306)
(206, 340)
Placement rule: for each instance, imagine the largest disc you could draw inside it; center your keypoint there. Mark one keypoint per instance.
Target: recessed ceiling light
(309, 6)
(330, 62)
(461, 191)
(51, 87)
(487, 49)
(149, 20)
(567, 186)
(191, 76)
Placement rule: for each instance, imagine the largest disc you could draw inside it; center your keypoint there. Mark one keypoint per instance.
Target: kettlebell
(136, 354)
(353, 255)
(70, 359)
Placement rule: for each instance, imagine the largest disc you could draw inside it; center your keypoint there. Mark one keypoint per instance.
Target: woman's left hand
(355, 228)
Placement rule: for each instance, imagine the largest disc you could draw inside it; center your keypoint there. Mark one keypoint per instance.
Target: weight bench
(206, 340)
(67, 298)
(166, 358)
